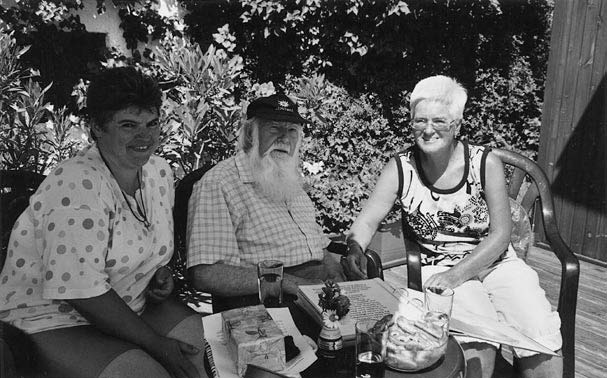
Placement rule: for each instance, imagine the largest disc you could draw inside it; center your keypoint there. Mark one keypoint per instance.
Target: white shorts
(508, 292)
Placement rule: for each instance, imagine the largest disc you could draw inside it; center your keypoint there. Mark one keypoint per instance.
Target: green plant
(33, 135)
(200, 110)
(22, 130)
(331, 299)
(28, 17)
(64, 135)
(505, 109)
(345, 148)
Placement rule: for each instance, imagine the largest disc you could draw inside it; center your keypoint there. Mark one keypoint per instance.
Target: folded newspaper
(375, 298)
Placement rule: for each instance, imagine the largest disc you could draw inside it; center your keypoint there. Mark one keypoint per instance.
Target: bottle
(330, 342)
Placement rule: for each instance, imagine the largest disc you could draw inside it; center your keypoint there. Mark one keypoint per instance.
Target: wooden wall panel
(574, 123)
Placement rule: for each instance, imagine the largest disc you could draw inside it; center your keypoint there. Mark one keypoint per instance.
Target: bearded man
(252, 207)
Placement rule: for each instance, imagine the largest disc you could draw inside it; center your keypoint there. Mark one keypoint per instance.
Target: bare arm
(229, 280)
(498, 238)
(109, 313)
(374, 211)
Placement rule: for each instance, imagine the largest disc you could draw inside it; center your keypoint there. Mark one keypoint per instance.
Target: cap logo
(284, 106)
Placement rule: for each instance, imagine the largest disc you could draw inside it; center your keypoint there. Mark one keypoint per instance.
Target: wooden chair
(523, 174)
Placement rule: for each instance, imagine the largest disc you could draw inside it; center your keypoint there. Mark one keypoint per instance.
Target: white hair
(279, 180)
(441, 89)
(245, 134)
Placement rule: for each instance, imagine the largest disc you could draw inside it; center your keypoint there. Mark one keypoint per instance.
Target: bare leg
(84, 351)
(176, 320)
(134, 363)
(16, 352)
(540, 366)
(480, 359)
(7, 361)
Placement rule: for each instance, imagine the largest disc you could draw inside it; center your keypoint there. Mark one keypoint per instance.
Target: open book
(375, 298)
(369, 299)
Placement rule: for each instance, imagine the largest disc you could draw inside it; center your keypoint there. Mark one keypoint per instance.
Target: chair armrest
(374, 267)
(338, 246)
(414, 265)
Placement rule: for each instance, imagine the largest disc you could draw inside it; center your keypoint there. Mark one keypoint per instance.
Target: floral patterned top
(449, 223)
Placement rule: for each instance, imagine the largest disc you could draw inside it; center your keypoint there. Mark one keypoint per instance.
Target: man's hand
(333, 268)
(355, 264)
(161, 285)
(172, 354)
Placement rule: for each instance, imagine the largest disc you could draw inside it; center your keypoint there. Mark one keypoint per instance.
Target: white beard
(277, 178)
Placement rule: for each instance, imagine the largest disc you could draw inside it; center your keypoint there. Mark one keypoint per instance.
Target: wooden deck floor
(591, 318)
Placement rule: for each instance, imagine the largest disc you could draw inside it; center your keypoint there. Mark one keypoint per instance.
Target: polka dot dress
(78, 238)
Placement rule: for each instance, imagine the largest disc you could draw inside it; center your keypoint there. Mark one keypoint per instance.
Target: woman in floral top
(456, 206)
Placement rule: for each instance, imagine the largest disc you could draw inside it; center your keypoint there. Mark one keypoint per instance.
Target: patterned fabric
(450, 223)
(232, 222)
(78, 239)
(522, 233)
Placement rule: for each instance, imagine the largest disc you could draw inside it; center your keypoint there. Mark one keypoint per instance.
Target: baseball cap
(277, 107)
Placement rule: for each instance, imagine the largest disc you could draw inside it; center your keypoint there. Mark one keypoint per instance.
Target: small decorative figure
(335, 305)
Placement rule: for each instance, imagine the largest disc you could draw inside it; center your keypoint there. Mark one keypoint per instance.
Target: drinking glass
(370, 349)
(269, 282)
(439, 299)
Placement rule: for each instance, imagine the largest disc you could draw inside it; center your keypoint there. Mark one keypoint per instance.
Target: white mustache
(284, 147)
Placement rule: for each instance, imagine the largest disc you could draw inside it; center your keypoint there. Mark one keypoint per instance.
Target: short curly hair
(441, 89)
(118, 88)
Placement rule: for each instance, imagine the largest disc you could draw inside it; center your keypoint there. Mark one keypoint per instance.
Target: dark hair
(118, 88)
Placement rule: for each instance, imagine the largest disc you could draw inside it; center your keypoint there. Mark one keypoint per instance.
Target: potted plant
(335, 306)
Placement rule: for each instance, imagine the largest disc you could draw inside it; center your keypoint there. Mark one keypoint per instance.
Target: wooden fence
(574, 124)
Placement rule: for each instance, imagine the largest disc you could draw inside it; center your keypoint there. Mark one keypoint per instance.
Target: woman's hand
(161, 285)
(447, 279)
(355, 263)
(172, 354)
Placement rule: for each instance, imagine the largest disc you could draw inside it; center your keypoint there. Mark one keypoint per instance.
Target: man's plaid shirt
(231, 222)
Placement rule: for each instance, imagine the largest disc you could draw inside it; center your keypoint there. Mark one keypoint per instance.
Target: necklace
(141, 214)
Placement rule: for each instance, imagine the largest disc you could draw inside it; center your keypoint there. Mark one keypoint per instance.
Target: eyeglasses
(437, 125)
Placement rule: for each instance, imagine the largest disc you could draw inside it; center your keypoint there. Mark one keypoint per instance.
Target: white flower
(264, 89)
(313, 168)
(330, 319)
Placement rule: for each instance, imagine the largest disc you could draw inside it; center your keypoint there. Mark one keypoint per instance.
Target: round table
(453, 365)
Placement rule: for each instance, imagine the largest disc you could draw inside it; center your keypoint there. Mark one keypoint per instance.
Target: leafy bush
(345, 148)
(200, 112)
(505, 109)
(33, 134)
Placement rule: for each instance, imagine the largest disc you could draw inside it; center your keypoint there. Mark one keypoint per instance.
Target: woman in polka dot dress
(85, 273)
